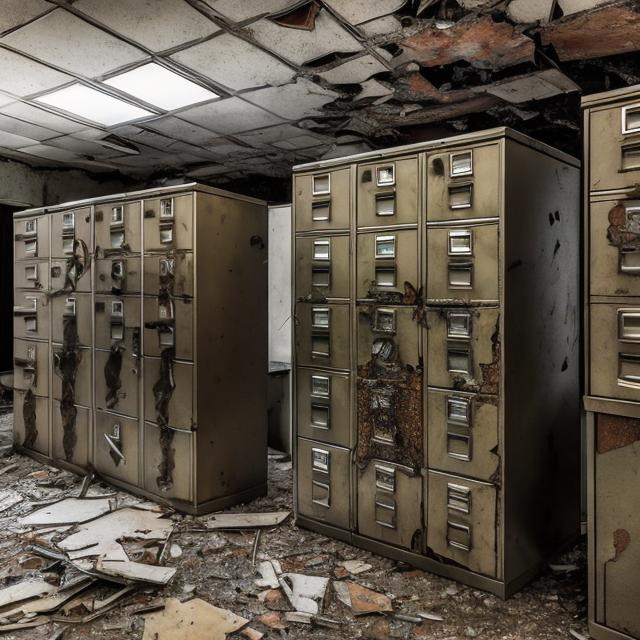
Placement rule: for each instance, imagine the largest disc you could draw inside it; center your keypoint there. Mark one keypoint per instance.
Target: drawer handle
(629, 368)
(458, 358)
(320, 416)
(460, 274)
(385, 511)
(461, 196)
(630, 261)
(321, 210)
(386, 203)
(459, 535)
(630, 157)
(629, 325)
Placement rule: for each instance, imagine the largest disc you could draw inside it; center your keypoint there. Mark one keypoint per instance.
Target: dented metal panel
(71, 309)
(323, 268)
(322, 200)
(80, 385)
(118, 275)
(72, 274)
(168, 322)
(117, 446)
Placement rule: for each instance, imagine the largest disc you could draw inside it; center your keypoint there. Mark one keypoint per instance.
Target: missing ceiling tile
(300, 17)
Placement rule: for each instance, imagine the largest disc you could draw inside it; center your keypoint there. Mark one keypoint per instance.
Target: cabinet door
(31, 366)
(71, 313)
(322, 335)
(31, 421)
(168, 323)
(322, 200)
(71, 233)
(117, 321)
(70, 434)
(118, 275)
(116, 447)
(30, 315)
(32, 275)
(117, 228)
(31, 238)
(322, 268)
(117, 381)
(168, 223)
(80, 379)
(179, 413)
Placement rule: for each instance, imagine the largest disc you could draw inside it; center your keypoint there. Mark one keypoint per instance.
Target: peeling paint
(66, 367)
(162, 392)
(615, 432)
(112, 369)
(621, 540)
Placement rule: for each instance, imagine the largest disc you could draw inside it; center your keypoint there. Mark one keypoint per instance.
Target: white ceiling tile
(293, 101)
(239, 11)
(373, 89)
(354, 71)
(66, 41)
(83, 147)
(26, 129)
(380, 26)
(41, 117)
(22, 77)
(181, 130)
(155, 24)
(229, 116)
(527, 11)
(299, 45)
(50, 153)
(357, 11)
(13, 141)
(17, 12)
(575, 6)
(235, 63)
(5, 99)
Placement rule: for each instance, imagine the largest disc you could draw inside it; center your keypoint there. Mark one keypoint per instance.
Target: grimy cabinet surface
(141, 342)
(612, 360)
(437, 354)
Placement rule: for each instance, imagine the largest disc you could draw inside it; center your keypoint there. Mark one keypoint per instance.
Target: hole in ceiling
(303, 17)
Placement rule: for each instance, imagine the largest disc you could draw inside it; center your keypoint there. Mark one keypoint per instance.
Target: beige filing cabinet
(437, 354)
(612, 372)
(140, 347)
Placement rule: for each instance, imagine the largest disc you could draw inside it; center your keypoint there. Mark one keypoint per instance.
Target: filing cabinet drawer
(180, 408)
(386, 260)
(463, 349)
(173, 271)
(31, 366)
(388, 193)
(462, 263)
(118, 322)
(118, 275)
(168, 223)
(322, 200)
(615, 351)
(31, 237)
(65, 275)
(464, 183)
(168, 324)
(324, 401)
(117, 228)
(462, 431)
(83, 375)
(71, 314)
(461, 521)
(390, 504)
(162, 475)
(324, 483)
(117, 374)
(71, 233)
(322, 335)
(32, 274)
(117, 446)
(31, 421)
(614, 133)
(322, 268)
(74, 447)
(615, 248)
(30, 315)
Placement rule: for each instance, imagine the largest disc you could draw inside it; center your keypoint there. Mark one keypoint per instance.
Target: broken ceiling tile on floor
(358, 11)
(301, 46)
(360, 600)
(353, 71)
(24, 590)
(67, 511)
(135, 571)
(528, 11)
(233, 62)
(355, 567)
(246, 520)
(268, 570)
(305, 593)
(9, 499)
(536, 86)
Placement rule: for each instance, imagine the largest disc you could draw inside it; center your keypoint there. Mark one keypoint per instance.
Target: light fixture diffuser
(161, 87)
(93, 105)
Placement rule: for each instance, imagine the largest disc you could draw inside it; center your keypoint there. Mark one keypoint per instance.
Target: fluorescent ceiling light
(161, 87)
(93, 105)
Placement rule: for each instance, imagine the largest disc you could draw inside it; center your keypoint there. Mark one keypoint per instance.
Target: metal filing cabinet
(612, 360)
(437, 356)
(115, 317)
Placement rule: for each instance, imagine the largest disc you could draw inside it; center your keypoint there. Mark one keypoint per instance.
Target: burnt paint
(67, 365)
(615, 432)
(162, 392)
(112, 370)
(29, 418)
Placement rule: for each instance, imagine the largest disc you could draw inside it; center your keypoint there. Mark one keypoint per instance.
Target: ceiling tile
(299, 142)
(22, 77)
(531, 10)
(373, 89)
(5, 99)
(236, 11)
(270, 135)
(16, 12)
(50, 153)
(84, 147)
(380, 26)
(66, 41)
(235, 63)
(209, 170)
(229, 116)
(155, 24)
(536, 86)
(299, 45)
(13, 141)
(357, 11)
(354, 71)
(28, 113)
(181, 130)
(575, 6)
(293, 101)
(26, 129)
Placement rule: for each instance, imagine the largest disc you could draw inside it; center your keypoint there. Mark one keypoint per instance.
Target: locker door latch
(114, 440)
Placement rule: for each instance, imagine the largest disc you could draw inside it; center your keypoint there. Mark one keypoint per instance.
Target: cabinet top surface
(616, 95)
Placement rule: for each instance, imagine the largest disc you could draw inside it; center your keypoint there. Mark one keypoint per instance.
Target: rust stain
(414, 87)
(615, 432)
(621, 540)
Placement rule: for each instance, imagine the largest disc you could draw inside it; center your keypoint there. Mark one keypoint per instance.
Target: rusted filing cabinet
(134, 357)
(437, 354)
(612, 371)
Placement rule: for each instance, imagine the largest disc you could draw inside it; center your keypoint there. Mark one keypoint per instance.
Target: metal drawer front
(31, 237)
(32, 274)
(461, 522)
(322, 268)
(388, 193)
(168, 223)
(463, 434)
(324, 486)
(390, 504)
(463, 349)
(323, 406)
(72, 447)
(71, 313)
(30, 315)
(117, 378)
(322, 200)
(322, 335)
(617, 523)
(118, 275)
(116, 446)
(82, 386)
(117, 228)
(464, 183)
(175, 269)
(386, 261)
(180, 406)
(118, 323)
(71, 233)
(462, 263)
(31, 421)
(168, 324)
(71, 275)
(162, 475)
(31, 366)
(615, 248)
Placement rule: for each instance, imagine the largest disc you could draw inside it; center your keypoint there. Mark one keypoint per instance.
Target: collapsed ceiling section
(219, 90)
